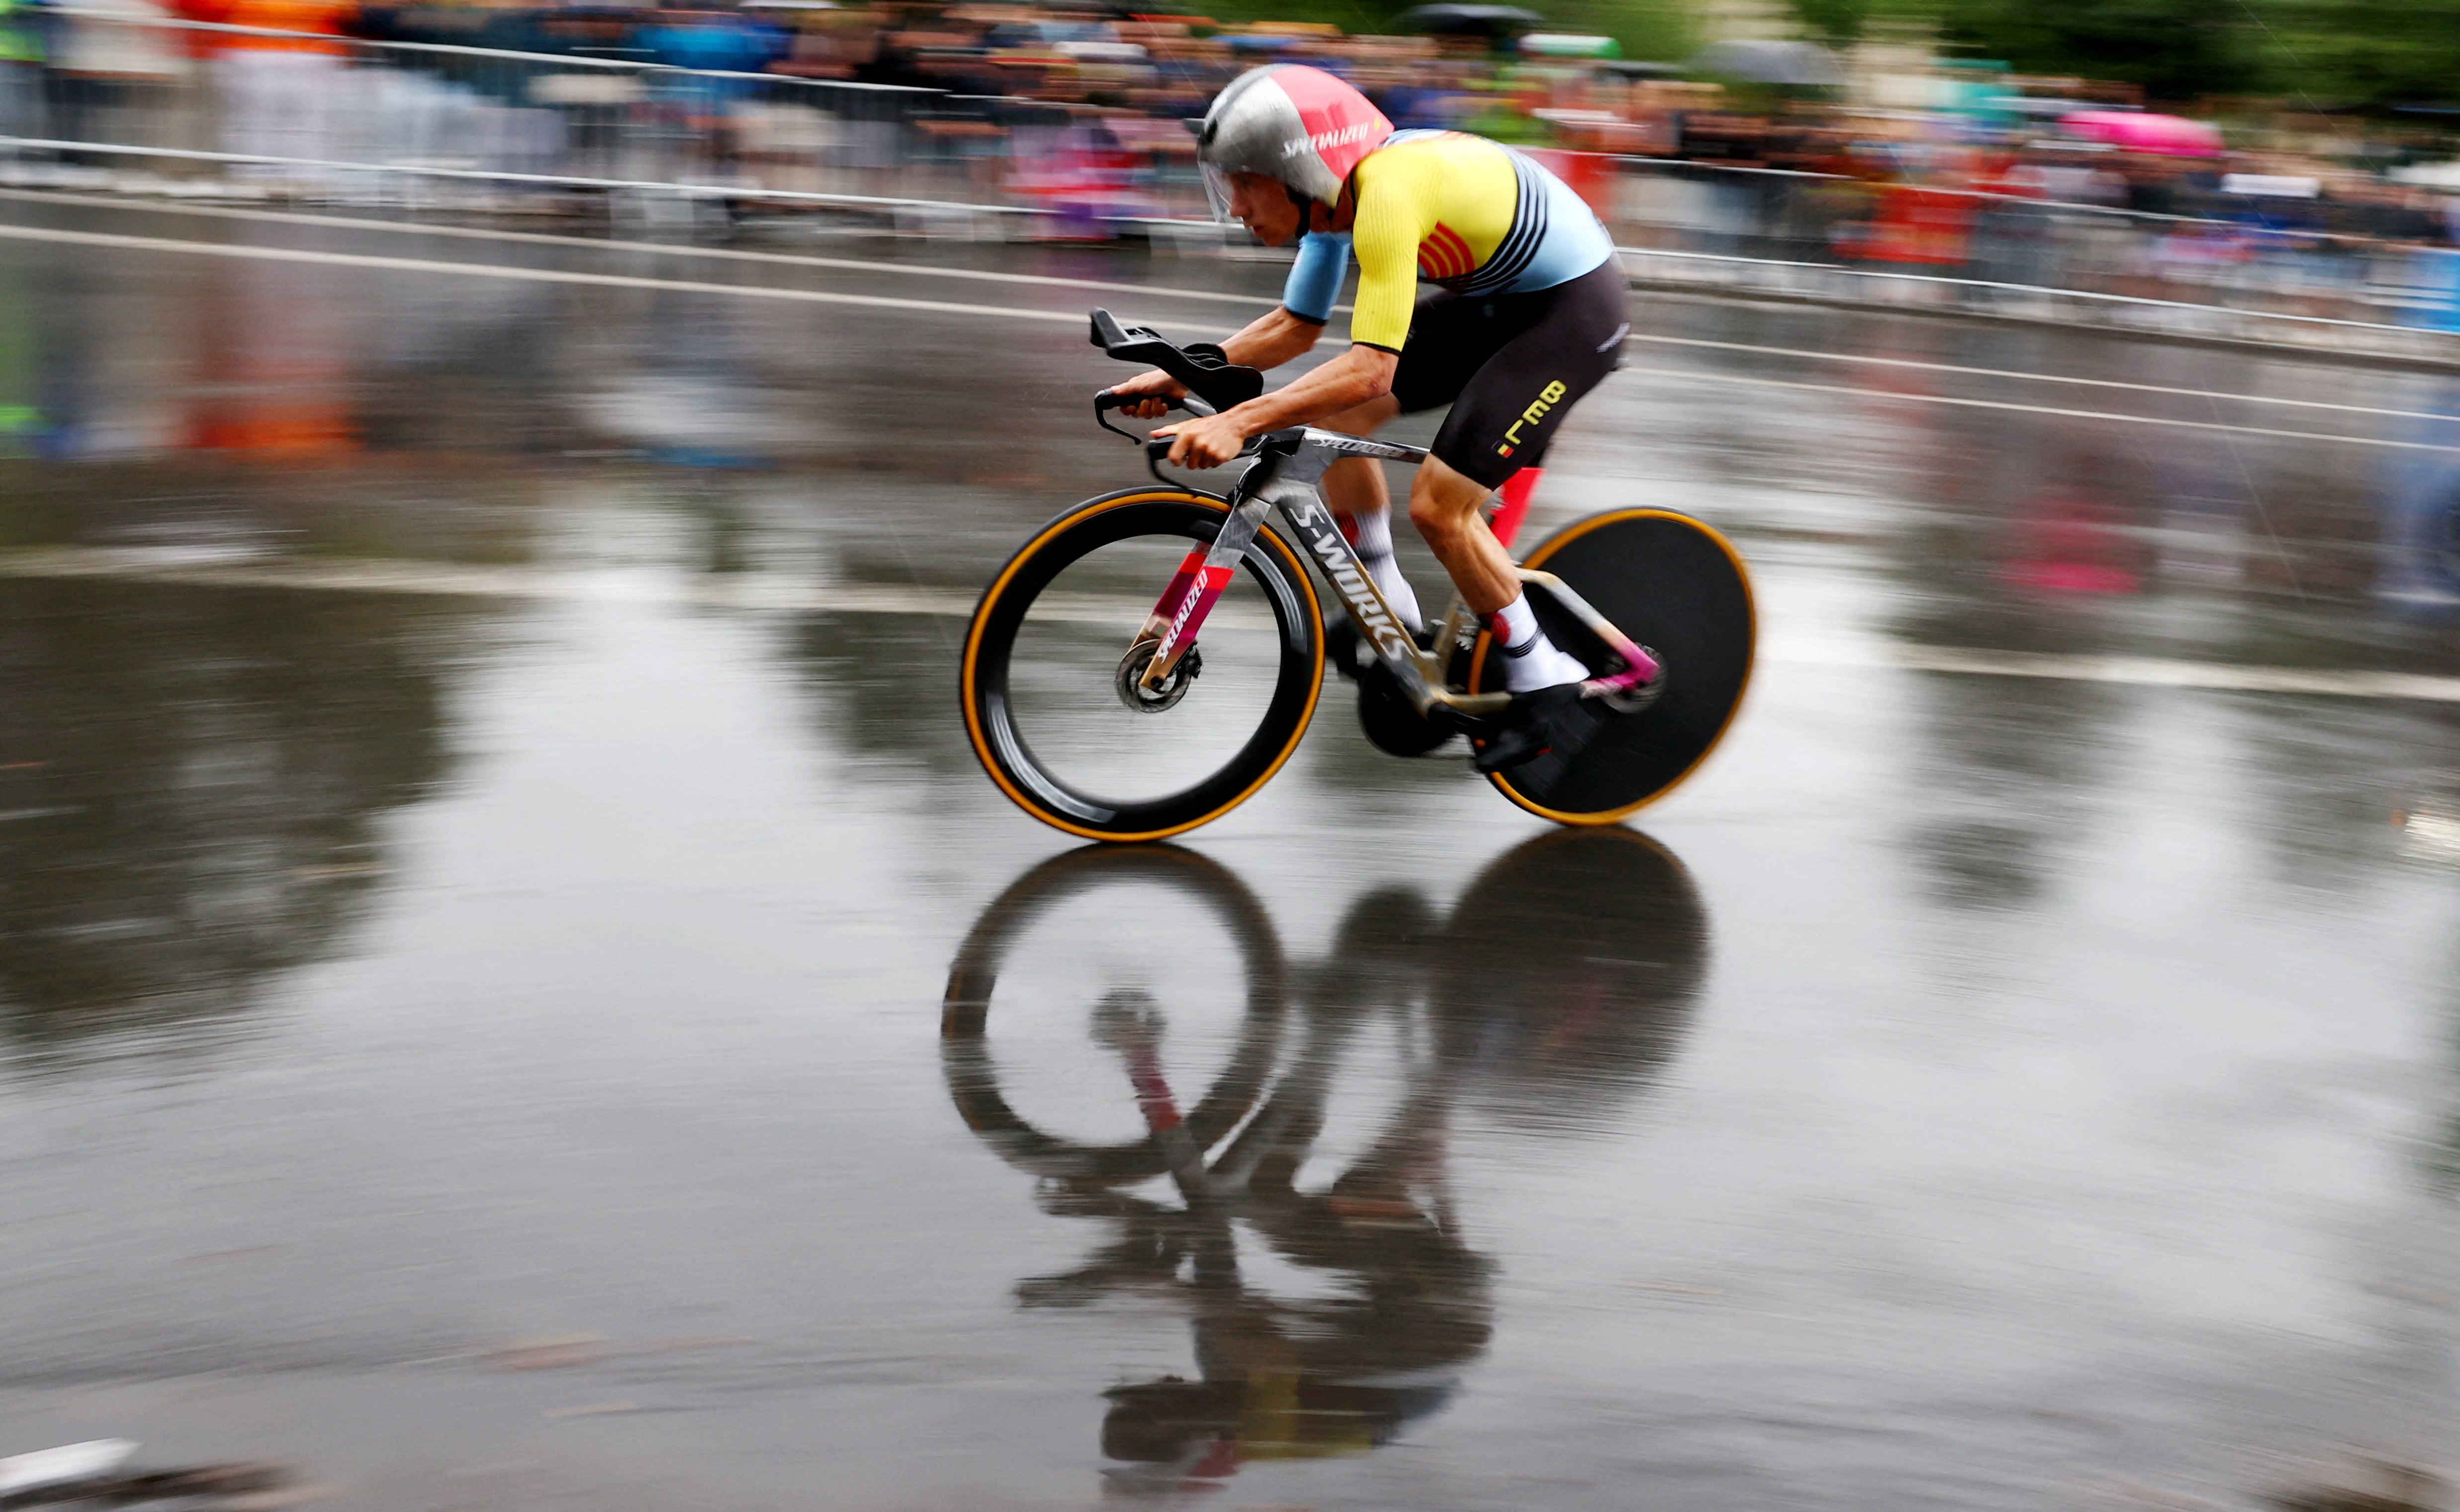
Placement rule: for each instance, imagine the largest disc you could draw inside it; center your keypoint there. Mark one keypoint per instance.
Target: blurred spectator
(278, 94)
(113, 58)
(1077, 112)
(21, 70)
(700, 108)
(719, 41)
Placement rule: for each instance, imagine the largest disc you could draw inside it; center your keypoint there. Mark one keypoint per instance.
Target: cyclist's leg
(1354, 486)
(1444, 505)
(1449, 339)
(1354, 490)
(1570, 338)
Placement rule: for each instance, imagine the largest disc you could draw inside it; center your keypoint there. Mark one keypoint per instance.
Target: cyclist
(1530, 317)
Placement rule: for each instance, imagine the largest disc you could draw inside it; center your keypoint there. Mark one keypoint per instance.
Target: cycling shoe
(1554, 719)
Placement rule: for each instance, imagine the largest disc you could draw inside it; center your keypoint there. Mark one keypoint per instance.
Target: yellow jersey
(1464, 212)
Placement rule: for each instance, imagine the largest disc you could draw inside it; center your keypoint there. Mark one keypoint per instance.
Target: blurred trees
(1662, 30)
(2366, 54)
(1646, 29)
(2176, 49)
(2311, 53)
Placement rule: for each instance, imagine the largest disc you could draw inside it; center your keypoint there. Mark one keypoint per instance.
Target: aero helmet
(1300, 125)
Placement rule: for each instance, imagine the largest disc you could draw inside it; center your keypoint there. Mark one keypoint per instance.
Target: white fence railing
(130, 101)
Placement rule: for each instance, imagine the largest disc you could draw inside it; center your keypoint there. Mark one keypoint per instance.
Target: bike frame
(1283, 478)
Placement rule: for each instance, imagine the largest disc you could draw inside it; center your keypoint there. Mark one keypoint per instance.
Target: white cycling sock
(1530, 660)
(1373, 540)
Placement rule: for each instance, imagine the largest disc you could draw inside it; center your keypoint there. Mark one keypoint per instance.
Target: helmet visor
(1217, 188)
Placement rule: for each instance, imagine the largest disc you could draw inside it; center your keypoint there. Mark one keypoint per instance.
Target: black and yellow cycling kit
(1529, 316)
(1470, 215)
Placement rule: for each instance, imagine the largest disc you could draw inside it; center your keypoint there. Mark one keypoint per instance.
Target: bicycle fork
(1194, 590)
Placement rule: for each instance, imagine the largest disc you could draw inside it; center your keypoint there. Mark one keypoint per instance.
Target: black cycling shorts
(1510, 366)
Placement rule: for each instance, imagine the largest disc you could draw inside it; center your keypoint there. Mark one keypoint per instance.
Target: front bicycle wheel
(1045, 677)
(1050, 954)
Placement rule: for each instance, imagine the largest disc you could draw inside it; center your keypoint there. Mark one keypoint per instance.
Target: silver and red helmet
(1300, 125)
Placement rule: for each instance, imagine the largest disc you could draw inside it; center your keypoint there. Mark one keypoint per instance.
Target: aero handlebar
(1202, 368)
(1213, 383)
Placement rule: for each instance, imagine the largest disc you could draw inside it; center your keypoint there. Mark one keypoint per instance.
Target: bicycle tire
(973, 978)
(1673, 584)
(991, 640)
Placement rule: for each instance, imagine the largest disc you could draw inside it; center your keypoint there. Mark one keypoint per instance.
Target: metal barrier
(1857, 287)
(255, 111)
(1821, 236)
(192, 107)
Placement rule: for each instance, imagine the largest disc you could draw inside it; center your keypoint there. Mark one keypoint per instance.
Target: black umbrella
(1468, 20)
(1638, 69)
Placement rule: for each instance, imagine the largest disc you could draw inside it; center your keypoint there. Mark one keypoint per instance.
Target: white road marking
(773, 593)
(532, 275)
(2141, 672)
(1697, 375)
(46, 1467)
(2044, 378)
(705, 191)
(601, 245)
(856, 264)
(816, 297)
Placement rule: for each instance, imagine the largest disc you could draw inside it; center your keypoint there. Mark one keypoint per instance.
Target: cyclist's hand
(1155, 382)
(1205, 442)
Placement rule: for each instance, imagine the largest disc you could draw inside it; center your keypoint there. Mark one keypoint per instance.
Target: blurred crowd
(1760, 149)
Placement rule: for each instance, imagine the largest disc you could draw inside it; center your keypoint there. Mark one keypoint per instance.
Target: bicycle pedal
(1641, 696)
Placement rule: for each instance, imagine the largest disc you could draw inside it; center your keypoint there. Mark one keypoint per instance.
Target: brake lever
(1104, 402)
(1157, 452)
(1107, 400)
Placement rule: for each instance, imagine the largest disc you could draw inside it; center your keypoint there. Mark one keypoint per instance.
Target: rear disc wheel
(1675, 585)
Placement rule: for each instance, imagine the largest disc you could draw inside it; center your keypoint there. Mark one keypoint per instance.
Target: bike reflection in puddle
(1559, 982)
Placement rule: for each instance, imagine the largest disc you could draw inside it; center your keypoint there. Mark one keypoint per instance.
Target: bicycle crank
(1632, 700)
(1164, 695)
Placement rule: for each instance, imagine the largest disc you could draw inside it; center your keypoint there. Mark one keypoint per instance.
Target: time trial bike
(1111, 721)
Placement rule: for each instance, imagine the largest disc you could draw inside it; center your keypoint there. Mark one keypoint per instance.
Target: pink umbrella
(2172, 134)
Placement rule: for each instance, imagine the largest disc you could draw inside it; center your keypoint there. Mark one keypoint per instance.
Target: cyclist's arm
(1308, 297)
(1397, 210)
(1357, 375)
(1386, 238)
(1273, 339)
(1279, 335)
(1268, 341)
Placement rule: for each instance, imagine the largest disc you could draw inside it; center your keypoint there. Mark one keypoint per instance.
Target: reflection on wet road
(1537, 1011)
(203, 813)
(485, 826)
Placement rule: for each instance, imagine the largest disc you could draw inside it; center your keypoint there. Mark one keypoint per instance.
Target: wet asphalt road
(505, 1004)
